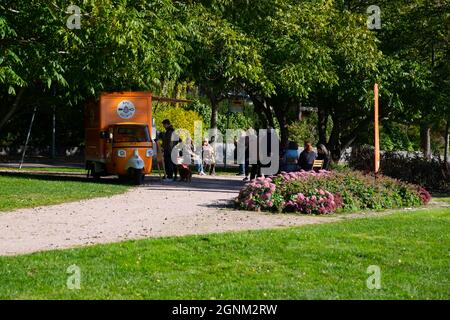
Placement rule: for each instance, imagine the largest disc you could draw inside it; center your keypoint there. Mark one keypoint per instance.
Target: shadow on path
(217, 184)
(207, 184)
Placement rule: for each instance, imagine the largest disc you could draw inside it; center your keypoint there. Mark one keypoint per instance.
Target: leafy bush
(325, 192)
(299, 131)
(179, 117)
(237, 120)
(430, 174)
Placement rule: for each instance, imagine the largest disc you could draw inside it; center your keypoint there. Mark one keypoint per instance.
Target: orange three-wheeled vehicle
(119, 133)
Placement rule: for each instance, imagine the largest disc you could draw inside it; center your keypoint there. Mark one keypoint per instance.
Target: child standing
(209, 157)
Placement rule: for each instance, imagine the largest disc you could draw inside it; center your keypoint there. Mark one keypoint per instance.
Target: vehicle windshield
(131, 134)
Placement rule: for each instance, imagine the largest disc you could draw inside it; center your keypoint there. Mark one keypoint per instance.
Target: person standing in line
(255, 171)
(160, 157)
(168, 145)
(247, 153)
(307, 157)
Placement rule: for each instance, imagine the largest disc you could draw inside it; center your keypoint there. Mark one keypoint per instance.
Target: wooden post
(377, 131)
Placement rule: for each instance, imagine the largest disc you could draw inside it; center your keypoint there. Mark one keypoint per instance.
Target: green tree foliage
(222, 57)
(415, 71)
(310, 50)
(285, 54)
(179, 117)
(121, 46)
(8, 59)
(306, 129)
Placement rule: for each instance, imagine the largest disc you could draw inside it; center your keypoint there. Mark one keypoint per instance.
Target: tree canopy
(284, 54)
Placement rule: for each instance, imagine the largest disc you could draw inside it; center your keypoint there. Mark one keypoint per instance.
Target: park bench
(317, 164)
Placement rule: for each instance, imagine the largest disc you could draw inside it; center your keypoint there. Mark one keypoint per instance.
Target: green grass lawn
(46, 169)
(326, 261)
(442, 197)
(25, 191)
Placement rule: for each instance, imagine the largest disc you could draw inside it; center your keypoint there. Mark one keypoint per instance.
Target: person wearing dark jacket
(307, 157)
(323, 154)
(168, 145)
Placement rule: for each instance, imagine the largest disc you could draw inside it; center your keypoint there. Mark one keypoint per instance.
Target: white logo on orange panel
(126, 109)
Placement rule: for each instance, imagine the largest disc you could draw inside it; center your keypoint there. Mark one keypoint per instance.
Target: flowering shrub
(425, 196)
(325, 192)
(258, 194)
(316, 202)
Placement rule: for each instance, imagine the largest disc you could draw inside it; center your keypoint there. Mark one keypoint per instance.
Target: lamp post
(28, 138)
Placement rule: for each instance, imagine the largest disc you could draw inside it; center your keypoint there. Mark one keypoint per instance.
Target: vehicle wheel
(94, 174)
(137, 177)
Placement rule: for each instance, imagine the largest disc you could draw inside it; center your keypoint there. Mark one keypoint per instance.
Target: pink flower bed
(262, 194)
(316, 202)
(257, 194)
(298, 175)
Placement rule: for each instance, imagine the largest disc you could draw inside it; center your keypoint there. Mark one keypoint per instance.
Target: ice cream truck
(119, 130)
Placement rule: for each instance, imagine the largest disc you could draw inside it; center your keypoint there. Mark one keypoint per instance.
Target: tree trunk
(263, 111)
(425, 140)
(447, 142)
(334, 143)
(13, 109)
(340, 140)
(268, 114)
(284, 132)
(322, 126)
(214, 112)
(283, 122)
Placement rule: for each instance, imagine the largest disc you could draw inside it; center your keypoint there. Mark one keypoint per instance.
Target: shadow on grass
(49, 176)
(151, 182)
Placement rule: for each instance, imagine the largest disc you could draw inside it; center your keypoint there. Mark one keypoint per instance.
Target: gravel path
(151, 210)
